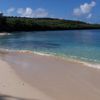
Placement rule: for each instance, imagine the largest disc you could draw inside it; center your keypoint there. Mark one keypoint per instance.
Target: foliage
(34, 24)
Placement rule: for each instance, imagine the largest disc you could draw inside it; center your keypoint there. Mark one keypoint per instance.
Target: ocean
(82, 45)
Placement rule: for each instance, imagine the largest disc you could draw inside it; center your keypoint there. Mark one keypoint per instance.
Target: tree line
(36, 24)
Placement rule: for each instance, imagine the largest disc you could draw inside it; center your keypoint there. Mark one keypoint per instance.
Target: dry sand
(55, 77)
(13, 88)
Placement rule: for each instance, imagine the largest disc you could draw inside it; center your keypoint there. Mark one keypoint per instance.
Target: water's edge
(71, 59)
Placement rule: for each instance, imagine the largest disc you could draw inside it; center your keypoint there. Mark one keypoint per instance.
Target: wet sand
(55, 77)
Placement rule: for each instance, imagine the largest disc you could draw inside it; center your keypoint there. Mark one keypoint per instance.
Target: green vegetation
(34, 24)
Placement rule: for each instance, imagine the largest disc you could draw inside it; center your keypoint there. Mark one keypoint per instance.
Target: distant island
(11, 23)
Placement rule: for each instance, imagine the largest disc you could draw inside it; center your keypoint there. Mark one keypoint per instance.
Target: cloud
(10, 10)
(89, 16)
(84, 9)
(29, 12)
(40, 12)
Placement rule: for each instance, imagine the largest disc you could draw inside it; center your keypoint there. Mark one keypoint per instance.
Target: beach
(12, 87)
(41, 77)
(49, 50)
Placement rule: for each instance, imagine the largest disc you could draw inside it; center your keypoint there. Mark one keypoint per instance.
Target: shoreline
(70, 59)
(75, 29)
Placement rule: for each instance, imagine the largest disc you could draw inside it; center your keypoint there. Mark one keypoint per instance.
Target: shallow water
(77, 44)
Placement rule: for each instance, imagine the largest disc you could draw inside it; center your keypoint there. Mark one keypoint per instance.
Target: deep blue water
(77, 44)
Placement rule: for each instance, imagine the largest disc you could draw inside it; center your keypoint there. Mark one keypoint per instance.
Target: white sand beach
(47, 78)
(13, 88)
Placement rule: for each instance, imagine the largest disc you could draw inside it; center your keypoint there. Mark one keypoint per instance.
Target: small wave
(25, 51)
(85, 61)
(97, 66)
(42, 54)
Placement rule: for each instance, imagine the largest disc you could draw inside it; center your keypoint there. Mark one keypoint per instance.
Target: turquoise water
(76, 44)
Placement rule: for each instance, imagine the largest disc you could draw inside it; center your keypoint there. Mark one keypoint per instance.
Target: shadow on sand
(5, 97)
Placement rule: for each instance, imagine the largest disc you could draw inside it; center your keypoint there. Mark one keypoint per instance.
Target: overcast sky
(86, 10)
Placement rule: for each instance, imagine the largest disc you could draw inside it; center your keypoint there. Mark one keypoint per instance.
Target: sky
(84, 10)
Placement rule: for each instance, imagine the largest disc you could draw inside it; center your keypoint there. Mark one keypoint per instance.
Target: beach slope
(58, 78)
(13, 88)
